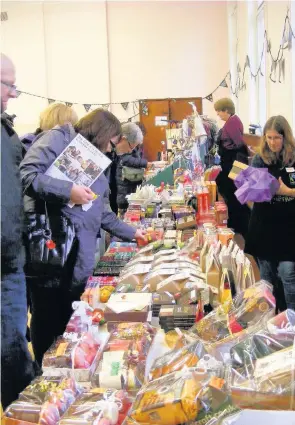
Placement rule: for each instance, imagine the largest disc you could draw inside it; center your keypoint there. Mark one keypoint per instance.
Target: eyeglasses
(10, 86)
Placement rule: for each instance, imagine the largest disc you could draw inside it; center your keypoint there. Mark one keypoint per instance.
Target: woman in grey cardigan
(52, 292)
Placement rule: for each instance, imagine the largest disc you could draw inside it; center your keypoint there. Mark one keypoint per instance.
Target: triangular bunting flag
(290, 38)
(125, 105)
(223, 83)
(87, 106)
(247, 61)
(209, 97)
(106, 106)
(274, 66)
(69, 104)
(238, 68)
(18, 93)
(281, 70)
(269, 46)
(51, 101)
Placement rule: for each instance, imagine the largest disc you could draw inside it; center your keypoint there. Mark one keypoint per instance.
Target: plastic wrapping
(177, 359)
(249, 308)
(98, 406)
(42, 402)
(123, 361)
(77, 354)
(269, 382)
(278, 334)
(180, 397)
(263, 366)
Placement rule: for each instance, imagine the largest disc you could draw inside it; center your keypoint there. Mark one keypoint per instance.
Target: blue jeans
(17, 367)
(281, 274)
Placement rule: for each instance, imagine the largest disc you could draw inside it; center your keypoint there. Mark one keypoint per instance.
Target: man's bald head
(7, 81)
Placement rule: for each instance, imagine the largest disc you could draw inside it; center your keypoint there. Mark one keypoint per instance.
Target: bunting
(50, 101)
(69, 104)
(223, 83)
(125, 105)
(87, 106)
(210, 97)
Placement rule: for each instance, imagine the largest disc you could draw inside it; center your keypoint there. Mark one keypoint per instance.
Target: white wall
(105, 52)
(279, 96)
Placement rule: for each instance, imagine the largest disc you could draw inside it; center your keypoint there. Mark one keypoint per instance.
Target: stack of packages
(190, 337)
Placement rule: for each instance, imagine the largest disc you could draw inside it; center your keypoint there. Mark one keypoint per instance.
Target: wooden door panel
(180, 108)
(154, 134)
(173, 109)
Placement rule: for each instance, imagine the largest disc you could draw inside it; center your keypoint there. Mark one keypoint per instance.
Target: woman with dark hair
(52, 292)
(271, 236)
(231, 147)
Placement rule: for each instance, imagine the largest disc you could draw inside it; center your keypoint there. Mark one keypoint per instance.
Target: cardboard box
(237, 168)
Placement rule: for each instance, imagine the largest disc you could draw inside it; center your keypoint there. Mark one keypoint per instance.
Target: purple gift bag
(255, 185)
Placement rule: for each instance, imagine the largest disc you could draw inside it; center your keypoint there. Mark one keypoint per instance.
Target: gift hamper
(42, 402)
(98, 406)
(122, 365)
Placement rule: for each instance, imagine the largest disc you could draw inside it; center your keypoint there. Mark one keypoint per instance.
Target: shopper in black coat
(128, 156)
(17, 368)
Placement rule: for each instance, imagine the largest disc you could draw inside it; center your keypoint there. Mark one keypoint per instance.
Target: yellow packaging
(170, 400)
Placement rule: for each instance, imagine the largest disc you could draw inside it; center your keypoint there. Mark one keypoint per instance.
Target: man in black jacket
(17, 368)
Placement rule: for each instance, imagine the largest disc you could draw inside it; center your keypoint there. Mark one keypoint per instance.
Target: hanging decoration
(247, 64)
(278, 63)
(125, 105)
(282, 70)
(87, 106)
(69, 104)
(144, 108)
(17, 93)
(223, 83)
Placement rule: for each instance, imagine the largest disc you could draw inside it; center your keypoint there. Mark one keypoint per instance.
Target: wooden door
(150, 110)
(180, 108)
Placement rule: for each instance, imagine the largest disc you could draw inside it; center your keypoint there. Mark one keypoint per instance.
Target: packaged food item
(98, 406)
(170, 400)
(213, 272)
(123, 363)
(44, 401)
(75, 353)
(269, 383)
(131, 307)
(127, 330)
(251, 307)
(179, 316)
(135, 275)
(276, 335)
(174, 283)
(180, 397)
(225, 235)
(177, 359)
(175, 339)
(81, 319)
(161, 299)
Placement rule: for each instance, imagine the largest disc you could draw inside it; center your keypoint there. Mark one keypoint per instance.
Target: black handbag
(48, 242)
